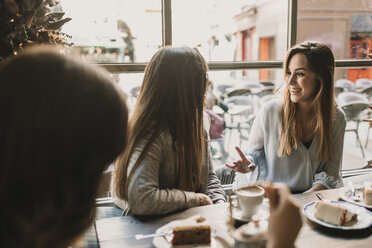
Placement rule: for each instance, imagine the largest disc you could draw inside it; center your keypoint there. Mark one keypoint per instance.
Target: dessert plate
(165, 241)
(345, 194)
(364, 219)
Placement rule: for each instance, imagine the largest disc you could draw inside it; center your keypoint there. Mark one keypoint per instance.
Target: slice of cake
(367, 193)
(332, 213)
(194, 230)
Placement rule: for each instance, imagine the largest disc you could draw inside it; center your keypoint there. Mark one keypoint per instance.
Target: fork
(320, 197)
(152, 235)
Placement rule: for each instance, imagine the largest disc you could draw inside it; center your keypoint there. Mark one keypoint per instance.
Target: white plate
(164, 242)
(345, 194)
(364, 219)
(263, 213)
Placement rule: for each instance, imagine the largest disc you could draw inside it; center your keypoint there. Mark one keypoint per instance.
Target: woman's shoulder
(273, 105)
(164, 135)
(158, 137)
(340, 115)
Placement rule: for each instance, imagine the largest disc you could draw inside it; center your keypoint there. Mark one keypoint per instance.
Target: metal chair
(344, 85)
(225, 175)
(363, 83)
(353, 105)
(240, 111)
(237, 92)
(267, 83)
(223, 87)
(364, 86)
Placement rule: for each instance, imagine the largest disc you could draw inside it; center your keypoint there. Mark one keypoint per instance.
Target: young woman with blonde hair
(166, 165)
(299, 139)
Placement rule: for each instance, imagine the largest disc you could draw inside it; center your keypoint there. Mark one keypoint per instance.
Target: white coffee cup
(250, 199)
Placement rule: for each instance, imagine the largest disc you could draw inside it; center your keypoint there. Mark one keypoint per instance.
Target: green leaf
(55, 16)
(56, 25)
(52, 2)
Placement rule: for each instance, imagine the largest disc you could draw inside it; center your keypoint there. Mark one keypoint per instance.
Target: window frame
(166, 13)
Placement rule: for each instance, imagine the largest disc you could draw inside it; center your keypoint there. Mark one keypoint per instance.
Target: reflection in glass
(346, 26)
(114, 31)
(236, 30)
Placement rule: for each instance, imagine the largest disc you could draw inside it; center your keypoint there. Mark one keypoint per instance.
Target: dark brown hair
(171, 97)
(62, 123)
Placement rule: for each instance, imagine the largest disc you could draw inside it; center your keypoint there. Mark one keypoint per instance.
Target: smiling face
(302, 83)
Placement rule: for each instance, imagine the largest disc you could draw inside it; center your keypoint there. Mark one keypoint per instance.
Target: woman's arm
(256, 142)
(144, 195)
(328, 174)
(214, 189)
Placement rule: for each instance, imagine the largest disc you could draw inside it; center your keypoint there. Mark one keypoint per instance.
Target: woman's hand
(242, 165)
(285, 218)
(316, 187)
(203, 199)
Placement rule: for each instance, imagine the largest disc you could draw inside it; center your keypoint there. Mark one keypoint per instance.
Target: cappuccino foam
(250, 191)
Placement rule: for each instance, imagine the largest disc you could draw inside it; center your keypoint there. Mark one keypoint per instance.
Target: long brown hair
(171, 97)
(321, 62)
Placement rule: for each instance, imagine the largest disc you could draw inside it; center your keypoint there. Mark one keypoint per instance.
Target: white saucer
(263, 213)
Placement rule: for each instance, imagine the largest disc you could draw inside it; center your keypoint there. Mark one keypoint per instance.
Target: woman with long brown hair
(166, 165)
(299, 139)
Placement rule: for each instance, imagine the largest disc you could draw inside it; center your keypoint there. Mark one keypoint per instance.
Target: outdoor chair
(364, 86)
(353, 104)
(226, 177)
(240, 111)
(223, 87)
(363, 83)
(267, 83)
(344, 85)
(264, 91)
(237, 92)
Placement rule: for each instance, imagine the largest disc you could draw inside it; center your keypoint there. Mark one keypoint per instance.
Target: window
(244, 41)
(114, 31)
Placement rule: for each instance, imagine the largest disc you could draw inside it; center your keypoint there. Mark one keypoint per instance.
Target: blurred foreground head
(62, 123)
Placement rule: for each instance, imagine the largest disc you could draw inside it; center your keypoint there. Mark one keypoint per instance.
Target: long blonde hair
(321, 62)
(171, 97)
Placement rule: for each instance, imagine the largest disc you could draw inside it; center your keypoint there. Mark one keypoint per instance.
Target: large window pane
(345, 25)
(236, 30)
(114, 30)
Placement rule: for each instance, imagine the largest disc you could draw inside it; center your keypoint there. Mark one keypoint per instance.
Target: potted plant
(27, 22)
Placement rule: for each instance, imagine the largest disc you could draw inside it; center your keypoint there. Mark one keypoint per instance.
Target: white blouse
(301, 169)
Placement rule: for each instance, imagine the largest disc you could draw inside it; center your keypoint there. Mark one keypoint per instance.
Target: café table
(120, 231)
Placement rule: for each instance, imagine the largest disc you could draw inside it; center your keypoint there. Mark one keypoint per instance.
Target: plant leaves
(29, 16)
(30, 4)
(55, 16)
(56, 25)
(52, 2)
(11, 6)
